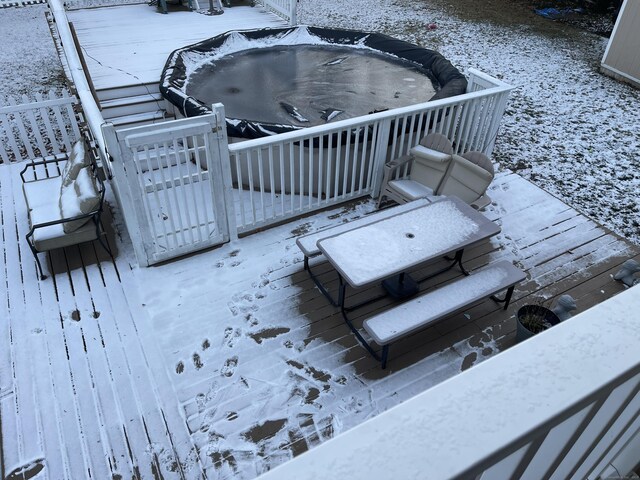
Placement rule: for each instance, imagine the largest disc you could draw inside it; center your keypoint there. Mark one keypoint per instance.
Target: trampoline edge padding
(446, 78)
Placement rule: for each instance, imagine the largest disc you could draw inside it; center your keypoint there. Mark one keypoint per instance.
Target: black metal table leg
(506, 299)
(319, 284)
(341, 299)
(385, 355)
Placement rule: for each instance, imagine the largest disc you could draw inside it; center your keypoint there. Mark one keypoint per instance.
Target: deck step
(127, 91)
(140, 119)
(124, 106)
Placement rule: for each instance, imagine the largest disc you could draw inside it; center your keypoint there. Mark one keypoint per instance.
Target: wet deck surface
(226, 363)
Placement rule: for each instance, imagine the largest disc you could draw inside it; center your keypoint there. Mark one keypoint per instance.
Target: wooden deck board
(129, 44)
(124, 407)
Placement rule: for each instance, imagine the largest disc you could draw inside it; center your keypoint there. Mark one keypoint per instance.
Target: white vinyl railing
(562, 405)
(286, 175)
(37, 126)
(78, 4)
(19, 3)
(287, 9)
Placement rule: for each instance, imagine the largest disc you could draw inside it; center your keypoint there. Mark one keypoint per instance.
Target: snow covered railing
(286, 175)
(90, 109)
(38, 126)
(283, 8)
(563, 404)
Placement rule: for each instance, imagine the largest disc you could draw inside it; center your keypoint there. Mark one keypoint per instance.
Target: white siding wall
(622, 57)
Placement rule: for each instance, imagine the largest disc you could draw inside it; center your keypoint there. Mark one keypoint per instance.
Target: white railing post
(380, 155)
(123, 194)
(222, 154)
(293, 15)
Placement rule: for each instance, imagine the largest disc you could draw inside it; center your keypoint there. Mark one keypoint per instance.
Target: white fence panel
(286, 175)
(38, 126)
(283, 8)
(169, 181)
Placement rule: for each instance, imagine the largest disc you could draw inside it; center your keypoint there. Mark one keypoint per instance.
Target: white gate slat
(178, 218)
(197, 224)
(154, 230)
(185, 199)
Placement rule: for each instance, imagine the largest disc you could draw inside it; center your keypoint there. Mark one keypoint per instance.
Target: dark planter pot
(522, 332)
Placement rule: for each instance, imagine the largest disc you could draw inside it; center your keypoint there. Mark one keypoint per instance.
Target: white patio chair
(468, 178)
(427, 162)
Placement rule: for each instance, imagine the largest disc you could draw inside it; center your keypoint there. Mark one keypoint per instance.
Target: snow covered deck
(230, 361)
(129, 44)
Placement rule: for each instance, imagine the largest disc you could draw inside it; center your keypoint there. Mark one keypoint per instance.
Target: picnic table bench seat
(428, 308)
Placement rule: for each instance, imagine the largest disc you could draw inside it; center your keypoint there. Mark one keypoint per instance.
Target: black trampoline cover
(277, 80)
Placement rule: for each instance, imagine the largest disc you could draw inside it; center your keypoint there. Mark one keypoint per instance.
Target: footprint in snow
(197, 361)
(229, 366)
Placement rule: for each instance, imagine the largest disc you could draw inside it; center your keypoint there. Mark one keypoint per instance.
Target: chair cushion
(78, 198)
(53, 236)
(42, 193)
(78, 159)
(410, 189)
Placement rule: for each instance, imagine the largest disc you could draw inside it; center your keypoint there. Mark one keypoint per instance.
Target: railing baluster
(272, 182)
(252, 202)
(283, 189)
(237, 158)
(145, 196)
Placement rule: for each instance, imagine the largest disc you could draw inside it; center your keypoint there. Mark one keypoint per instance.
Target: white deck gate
(170, 185)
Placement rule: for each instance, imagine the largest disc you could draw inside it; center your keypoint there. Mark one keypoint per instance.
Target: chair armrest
(398, 162)
(392, 166)
(55, 160)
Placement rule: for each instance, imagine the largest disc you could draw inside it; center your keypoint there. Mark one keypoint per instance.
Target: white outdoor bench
(63, 209)
(424, 310)
(308, 244)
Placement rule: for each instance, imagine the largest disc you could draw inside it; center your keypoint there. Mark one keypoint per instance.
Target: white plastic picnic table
(391, 246)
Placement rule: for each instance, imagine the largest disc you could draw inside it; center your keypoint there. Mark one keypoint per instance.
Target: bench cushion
(53, 236)
(410, 189)
(42, 192)
(309, 243)
(421, 311)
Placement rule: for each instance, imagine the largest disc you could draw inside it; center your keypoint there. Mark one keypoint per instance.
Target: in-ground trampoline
(278, 80)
